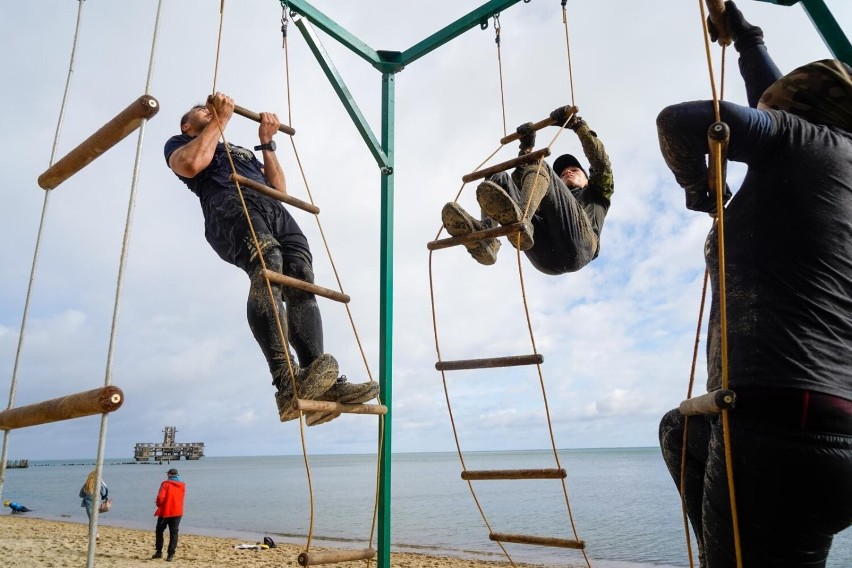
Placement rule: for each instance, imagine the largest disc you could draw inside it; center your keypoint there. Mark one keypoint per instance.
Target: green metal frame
(389, 63)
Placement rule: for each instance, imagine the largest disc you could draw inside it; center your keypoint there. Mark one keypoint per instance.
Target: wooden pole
(510, 361)
(275, 194)
(255, 117)
(710, 403)
(539, 125)
(97, 401)
(333, 556)
(507, 165)
(106, 137)
(538, 540)
(338, 407)
(500, 231)
(488, 474)
(306, 286)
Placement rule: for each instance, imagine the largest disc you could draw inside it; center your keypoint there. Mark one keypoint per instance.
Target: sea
(623, 503)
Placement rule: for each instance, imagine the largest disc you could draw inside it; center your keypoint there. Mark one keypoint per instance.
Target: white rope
(14, 386)
(125, 249)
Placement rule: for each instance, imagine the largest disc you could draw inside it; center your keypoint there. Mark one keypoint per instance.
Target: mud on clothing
(225, 226)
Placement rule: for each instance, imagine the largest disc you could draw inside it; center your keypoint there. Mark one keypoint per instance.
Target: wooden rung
(482, 475)
(306, 286)
(276, 194)
(539, 125)
(511, 361)
(106, 137)
(538, 540)
(244, 112)
(507, 165)
(710, 403)
(333, 556)
(500, 231)
(306, 405)
(97, 401)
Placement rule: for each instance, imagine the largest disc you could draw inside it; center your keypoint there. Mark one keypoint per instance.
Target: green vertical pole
(829, 30)
(386, 318)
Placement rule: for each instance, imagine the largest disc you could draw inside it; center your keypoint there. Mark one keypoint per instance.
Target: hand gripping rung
(106, 137)
(333, 556)
(500, 231)
(306, 286)
(251, 115)
(507, 165)
(538, 540)
(485, 474)
(276, 194)
(96, 401)
(511, 361)
(306, 405)
(540, 124)
(710, 403)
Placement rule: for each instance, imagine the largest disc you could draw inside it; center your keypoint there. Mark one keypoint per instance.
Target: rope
(500, 68)
(125, 247)
(568, 49)
(40, 234)
(528, 322)
(723, 317)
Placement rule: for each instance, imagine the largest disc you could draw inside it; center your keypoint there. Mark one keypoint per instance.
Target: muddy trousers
(173, 524)
(300, 320)
(793, 489)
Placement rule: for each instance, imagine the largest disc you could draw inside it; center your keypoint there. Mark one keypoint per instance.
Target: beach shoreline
(44, 543)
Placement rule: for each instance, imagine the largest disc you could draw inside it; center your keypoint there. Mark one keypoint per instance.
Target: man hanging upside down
(200, 160)
(566, 205)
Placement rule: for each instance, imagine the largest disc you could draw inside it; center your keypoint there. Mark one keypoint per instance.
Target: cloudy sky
(617, 337)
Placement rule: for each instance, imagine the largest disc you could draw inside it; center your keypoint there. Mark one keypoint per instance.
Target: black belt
(808, 410)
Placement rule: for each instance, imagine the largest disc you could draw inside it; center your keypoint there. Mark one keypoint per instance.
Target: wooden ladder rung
(500, 231)
(510, 361)
(106, 137)
(306, 286)
(507, 165)
(538, 540)
(485, 474)
(88, 403)
(275, 194)
(333, 556)
(540, 124)
(251, 115)
(710, 403)
(306, 405)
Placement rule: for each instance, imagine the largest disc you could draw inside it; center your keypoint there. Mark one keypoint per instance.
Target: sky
(617, 337)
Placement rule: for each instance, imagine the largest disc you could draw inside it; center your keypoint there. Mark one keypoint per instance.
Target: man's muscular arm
(269, 124)
(190, 159)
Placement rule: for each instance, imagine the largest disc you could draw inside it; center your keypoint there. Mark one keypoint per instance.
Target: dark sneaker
(169, 557)
(157, 555)
(346, 393)
(459, 222)
(500, 206)
(311, 382)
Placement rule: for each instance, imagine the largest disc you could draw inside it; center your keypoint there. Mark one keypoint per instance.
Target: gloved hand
(575, 123)
(560, 115)
(700, 198)
(743, 33)
(527, 134)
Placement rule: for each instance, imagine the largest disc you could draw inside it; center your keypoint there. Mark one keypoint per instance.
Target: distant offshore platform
(168, 450)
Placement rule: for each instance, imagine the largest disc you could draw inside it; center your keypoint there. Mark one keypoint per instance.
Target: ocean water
(623, 502)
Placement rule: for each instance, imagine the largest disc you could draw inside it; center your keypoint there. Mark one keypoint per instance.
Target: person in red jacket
(169, 512)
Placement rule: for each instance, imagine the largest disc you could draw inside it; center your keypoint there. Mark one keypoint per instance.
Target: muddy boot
(311, 383)
(346, 393)
(459, 222)
(534, 187)
(499, 205)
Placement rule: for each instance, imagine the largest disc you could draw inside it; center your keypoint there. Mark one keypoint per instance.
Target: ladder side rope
(336, 273)
(718, 170)
(568, 49)
(125, 247)
(30, 286)
(497, 29)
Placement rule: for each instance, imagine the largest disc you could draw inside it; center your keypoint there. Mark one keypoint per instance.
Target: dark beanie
(566, 160)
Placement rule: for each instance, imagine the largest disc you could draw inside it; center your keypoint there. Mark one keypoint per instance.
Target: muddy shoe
(346, 393)
(500, 206)
(459, 222)
(311, 383)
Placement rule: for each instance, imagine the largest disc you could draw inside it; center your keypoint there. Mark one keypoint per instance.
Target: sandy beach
(38, 543)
